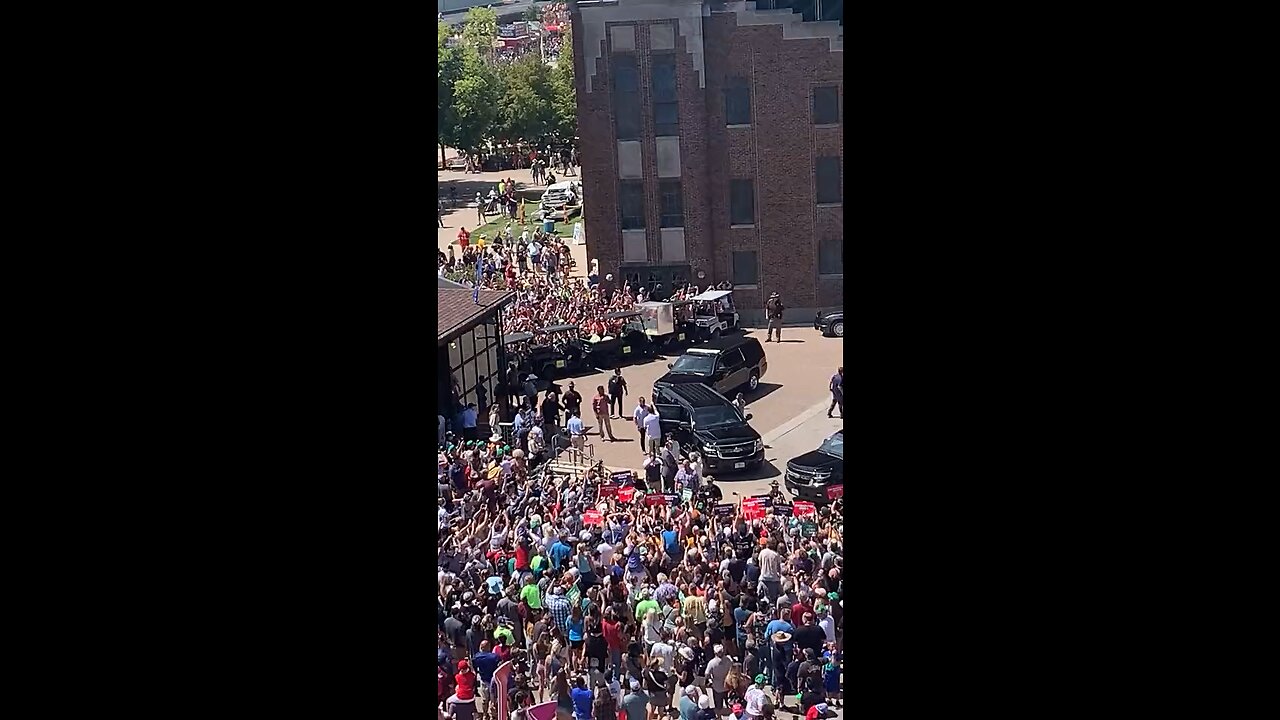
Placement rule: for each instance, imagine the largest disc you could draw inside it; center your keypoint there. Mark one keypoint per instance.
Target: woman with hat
(655, 686)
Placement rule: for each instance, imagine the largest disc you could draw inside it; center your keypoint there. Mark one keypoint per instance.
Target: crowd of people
(537, 266)
(606, 602)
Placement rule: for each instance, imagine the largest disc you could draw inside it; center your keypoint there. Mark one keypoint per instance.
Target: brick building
(712, 144)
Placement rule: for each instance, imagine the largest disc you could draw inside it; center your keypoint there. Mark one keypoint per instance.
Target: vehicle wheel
(837, 328)
(754, 381)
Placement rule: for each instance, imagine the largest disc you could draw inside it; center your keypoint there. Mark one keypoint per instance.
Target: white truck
(561, 199)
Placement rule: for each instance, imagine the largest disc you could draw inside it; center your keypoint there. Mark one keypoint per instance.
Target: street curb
(795, 422)
(776, 433)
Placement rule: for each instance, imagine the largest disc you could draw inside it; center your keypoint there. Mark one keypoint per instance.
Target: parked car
(724, 364)
(704, 420)
(830, 322)
(809, 475)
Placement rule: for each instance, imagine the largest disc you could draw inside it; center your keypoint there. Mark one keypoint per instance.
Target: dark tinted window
(631, 204)
(827, 180)
(826, 105)
(626, 78)
(732, 358)
(742, 202)
(737, 102)
(745, 268)
(626, 96)
(662, 84)
(831, 257)
(672, 203)
(626, 115)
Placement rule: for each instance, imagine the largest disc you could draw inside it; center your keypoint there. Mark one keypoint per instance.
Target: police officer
(773, 311)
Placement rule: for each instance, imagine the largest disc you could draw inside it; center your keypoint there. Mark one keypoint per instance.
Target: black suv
(809, 475)
(704, 420)
(725, 364)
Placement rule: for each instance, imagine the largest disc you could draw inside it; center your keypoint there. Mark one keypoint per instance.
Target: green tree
(564, 103)
(475, 101)
(448, 70)
(480, 29)
(526, 109)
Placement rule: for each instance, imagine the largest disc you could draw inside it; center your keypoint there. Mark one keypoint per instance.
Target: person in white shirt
(653, 432)
(665, 650)
(606, 553)
(828, 625)
(770, 571)
(637, 415)
(755, 698)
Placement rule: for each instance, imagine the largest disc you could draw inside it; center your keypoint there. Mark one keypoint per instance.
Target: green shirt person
(645, 606)
(529, 593)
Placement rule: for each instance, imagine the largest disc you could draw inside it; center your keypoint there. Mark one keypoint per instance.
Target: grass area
(491, 229)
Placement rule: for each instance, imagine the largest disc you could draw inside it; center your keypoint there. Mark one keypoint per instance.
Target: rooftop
(456, 311)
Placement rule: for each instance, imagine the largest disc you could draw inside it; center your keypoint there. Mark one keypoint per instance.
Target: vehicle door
(731, 371)
(756, 358)
(672, 416)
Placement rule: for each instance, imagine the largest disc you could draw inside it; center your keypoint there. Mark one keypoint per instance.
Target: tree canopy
(482, 99)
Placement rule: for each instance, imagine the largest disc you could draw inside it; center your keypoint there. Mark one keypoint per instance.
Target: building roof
(456, 312)
(444, 282)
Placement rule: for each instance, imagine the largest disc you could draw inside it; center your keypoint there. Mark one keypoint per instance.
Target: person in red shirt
(522, 555)
(502, 650)
(611, 628)
(800, 609)
(466, 680)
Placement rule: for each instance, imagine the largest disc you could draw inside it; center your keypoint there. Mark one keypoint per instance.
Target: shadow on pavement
(763, 390)
(467, 189)
(766, 471)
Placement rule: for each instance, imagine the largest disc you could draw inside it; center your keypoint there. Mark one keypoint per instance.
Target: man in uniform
(773, 311)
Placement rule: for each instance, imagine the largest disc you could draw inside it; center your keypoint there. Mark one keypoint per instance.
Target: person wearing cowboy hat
(773, 312)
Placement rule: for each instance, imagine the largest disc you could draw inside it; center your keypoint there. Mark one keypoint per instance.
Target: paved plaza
(789, 409)
(469, 184)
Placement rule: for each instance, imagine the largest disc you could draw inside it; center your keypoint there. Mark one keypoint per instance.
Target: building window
(631, 204)
(662, 81)
(672, 204)
(737, 102)
(742, 202)
(826, 105)
(827, 182)
(745, 268)
(831, 257)
(626, 96)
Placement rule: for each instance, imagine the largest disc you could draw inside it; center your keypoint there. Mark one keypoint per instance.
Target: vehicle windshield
(833, 445)
(718, 415)
(694, 364)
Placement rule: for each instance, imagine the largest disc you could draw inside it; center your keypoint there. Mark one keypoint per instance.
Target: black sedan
(811, 475)
(830, 322)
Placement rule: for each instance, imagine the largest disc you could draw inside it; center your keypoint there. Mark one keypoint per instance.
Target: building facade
(470, 351)
(712, 145)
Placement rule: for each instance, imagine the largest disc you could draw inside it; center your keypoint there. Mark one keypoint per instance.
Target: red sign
(655, 500)
(752, 508)
(803, 508)
(626, 494)
(835, 491)
(592, 517)
(607, 490)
